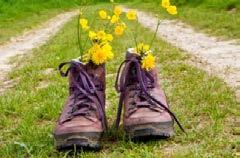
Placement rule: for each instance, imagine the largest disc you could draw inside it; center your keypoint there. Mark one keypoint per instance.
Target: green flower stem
(132, 35)
(155, 33)
(108, 24)
(135, 34)
(79, 31)
(92, 24)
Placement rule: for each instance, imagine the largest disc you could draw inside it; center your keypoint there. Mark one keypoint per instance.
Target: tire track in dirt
(27, 42)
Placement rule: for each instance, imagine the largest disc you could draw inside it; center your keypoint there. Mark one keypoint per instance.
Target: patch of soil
(28, 41)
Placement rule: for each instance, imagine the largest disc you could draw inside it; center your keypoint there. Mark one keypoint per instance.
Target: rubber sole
(85, 141)
(144, 132)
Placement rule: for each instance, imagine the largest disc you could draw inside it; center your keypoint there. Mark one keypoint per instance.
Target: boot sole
(83, 140)
(144, 132)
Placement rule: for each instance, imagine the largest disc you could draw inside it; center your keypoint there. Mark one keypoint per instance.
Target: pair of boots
(83, 119)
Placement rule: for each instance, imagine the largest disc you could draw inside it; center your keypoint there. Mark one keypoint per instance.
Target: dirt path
(28, 41)
(221, 58)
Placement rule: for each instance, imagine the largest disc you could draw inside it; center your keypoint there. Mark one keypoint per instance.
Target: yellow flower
(92, 35)
(109, 55)
(101, 35)
(103, 14)
(84, 24)
(86, 57)
(142, 48)
(148, 62)
(165, 3)
(114, 19)
(107, 47)
(123, 25)
(109, 37)
(119, 30)
(117, 10)
(98, 55)
(131, 15)
(146, 47)
(172, 10)
(108, 50)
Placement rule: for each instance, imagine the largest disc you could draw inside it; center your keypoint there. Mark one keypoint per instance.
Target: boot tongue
(132, 55)
(97, 72)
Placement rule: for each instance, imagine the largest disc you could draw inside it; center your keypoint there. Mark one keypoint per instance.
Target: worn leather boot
(83, 119)
(146, 111)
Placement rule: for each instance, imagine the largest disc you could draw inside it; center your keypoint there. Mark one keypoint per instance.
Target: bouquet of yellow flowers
(100, 39)
(111, 25)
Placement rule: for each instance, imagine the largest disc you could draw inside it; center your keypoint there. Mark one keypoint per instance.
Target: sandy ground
(218, 57)
(28, 41)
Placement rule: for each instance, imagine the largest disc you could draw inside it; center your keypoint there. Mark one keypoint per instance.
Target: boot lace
(85, 93)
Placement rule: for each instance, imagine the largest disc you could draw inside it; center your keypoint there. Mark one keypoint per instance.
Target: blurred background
(29, 4)
(216, 17)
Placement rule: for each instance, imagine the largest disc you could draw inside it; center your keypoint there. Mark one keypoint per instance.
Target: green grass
(17, 16)
(213, 4)
(215, 17)
(204, 104)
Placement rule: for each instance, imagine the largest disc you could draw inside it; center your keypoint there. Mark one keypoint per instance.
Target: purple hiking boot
(83, 119)
(146, 112)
